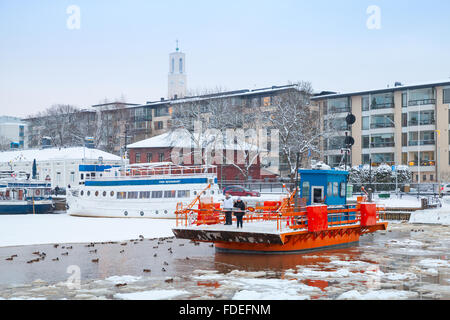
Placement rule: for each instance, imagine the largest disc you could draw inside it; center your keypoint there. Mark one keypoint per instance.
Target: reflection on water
(404, 261)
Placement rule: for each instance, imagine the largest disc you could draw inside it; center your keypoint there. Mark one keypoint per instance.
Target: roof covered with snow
(419, 85)
(184, 139)
(72, 153)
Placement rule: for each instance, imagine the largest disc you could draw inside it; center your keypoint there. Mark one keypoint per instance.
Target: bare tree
(217, 122)
(298, 124)
(59, 122)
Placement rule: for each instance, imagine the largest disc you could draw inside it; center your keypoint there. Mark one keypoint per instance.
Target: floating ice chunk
(123, 279)
(434, 263)
(268, 295)
(400, 276)
(378, 295)
(247, 274)
(151, 295)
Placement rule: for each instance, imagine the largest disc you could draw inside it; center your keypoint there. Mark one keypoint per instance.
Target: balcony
(424, 163)
(381, 125)
(382, 144)
(338, 110)
(412, 123)
(422, 102)
(377, 106)
(421, 143)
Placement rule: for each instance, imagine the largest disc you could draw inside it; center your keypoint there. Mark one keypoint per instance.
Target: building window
(339, 105)
(404, 99)
(366, 159)
(382, 101)
(447, 95)
(266, 101)
(404, 120)
(149, 157)
(159, 125)
(181, 65)
(431, 177)
(173, 65)
(421, 97)
(365, 103)
(404, 139)
(404, 158)
(161, 157)
(138, 157)
(365, 123)
(365, 142)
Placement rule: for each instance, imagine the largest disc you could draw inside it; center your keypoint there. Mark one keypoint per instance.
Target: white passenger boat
(150, 190)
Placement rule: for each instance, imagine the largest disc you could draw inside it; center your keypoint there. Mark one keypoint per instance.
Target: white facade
(61, 166)
(12, 130)
(177, 75)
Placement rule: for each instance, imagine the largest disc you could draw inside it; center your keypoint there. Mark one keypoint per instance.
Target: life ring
(37, 192)
(251, 209)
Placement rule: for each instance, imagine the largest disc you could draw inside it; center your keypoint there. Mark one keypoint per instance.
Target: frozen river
(405, 262)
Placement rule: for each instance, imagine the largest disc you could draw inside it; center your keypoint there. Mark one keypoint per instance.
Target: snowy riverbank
(19, 230)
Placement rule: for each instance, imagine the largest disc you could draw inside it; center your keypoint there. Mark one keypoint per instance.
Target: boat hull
(25, 208)
(284, 243)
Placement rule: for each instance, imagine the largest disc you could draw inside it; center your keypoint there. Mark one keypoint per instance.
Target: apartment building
(402, 125)
(12, 133)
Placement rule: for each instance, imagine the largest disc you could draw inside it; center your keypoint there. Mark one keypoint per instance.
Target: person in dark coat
(239, 211)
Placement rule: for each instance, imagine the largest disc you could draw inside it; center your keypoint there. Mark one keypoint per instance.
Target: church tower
(177, 74)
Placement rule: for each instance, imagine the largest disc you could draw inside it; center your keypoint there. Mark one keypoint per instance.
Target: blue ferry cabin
(323, 187)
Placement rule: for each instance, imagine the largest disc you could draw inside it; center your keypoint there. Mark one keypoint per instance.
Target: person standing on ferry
(240, 212)
(228, 208)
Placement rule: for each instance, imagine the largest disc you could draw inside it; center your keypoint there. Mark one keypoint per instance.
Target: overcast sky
(122, 47)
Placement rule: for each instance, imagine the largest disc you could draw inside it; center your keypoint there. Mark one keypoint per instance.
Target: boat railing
(289, 219)
(163, 171)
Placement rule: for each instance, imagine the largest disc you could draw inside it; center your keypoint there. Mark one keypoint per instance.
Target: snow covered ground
(19, 230)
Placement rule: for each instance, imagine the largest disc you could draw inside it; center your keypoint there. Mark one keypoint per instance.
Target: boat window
(335, 188)
(170, 194)
(88, 193)
(157, 194)
(104, 193)
(112, 193)
(183, 193)
(132, 195)
(195, 193)
(212, 191)
(82, 193)
(121, 195)
(96, 193)
(329, 189)
(343, 189)
(305, 192)
(144, 195)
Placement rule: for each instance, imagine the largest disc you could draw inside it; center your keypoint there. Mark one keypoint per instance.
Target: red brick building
(160, 148)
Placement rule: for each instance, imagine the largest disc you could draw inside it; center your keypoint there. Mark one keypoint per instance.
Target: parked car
(239, 191)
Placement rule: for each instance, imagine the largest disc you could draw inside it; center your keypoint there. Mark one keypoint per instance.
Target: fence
(409, 188)
(261, 186)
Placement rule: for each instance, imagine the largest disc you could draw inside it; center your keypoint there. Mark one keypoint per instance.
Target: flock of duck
(40, 256)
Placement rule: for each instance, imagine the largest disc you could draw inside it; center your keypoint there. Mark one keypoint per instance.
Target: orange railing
(286, 216)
